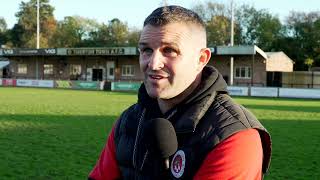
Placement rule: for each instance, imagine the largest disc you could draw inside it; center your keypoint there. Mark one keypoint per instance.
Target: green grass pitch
(58, 134)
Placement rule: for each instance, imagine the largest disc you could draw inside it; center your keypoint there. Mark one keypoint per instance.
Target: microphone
(163, 137)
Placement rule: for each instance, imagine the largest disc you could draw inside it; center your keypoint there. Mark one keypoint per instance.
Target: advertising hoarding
(299, 93)
(125, 86)
(35, 83)
(63, 84)
(9, 82)
(85, 85)
(238, 91)
(264, 91)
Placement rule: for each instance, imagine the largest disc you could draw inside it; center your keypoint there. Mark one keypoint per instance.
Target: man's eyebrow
(142, 44)
(174, 44)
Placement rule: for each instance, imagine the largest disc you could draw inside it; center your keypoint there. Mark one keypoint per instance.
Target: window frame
(71, 69)
(48, 69)
(239, 71)
(127, 70)
(22, 70)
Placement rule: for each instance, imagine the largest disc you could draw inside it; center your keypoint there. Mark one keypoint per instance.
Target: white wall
(238, 91)
(275, 92)
(264, 91)
(299, 93)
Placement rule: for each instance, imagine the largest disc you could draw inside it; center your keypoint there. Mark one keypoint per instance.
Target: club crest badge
(178, 164)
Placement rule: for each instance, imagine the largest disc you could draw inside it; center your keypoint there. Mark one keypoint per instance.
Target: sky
(135, 11)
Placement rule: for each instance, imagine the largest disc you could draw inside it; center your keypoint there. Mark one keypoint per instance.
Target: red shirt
(237, 157)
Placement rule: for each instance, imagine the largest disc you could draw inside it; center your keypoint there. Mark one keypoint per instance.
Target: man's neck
(166, 104)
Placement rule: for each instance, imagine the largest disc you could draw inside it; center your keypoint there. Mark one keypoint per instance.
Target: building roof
(96, 51)
(279, 62)
(3, 63)
(90, 51)
(240, 50)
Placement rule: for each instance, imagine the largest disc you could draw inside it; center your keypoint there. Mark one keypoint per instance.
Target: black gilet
(202, 121)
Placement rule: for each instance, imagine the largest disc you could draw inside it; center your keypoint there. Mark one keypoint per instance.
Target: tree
(309, 62)
(316, 38)
(15, 36)
(303, 29)
(27, 24)
(102, 36)
(74, 31)
(3, 25)
(218, 23)
(258, 27)
(115, 33)
(218, 31)
(118, 32)
(133, 37)
(3, 31)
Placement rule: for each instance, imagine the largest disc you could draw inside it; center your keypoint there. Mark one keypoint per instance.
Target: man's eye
(146, 51)
(169, 51)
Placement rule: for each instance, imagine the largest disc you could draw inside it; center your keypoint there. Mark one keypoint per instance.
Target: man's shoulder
(230, 110)
(134, 108)
(128, 119)
(230, 117)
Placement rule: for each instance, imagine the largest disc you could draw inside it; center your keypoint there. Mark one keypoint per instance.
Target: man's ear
(205, 55)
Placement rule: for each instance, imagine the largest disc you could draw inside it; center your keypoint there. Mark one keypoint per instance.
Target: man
(217, 138)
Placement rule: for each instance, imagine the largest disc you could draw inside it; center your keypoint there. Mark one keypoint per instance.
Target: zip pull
(137, 138)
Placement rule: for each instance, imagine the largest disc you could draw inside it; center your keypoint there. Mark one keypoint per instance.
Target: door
(226, 78)
(89, 74)
(110, 70)
(97, 74)
(5, 73)
(274, 79)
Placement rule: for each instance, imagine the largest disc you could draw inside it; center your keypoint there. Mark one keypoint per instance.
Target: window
(75, 69)
(127, 70)
(48, 68)
(243, 72)
(111, 71)
(22, 68)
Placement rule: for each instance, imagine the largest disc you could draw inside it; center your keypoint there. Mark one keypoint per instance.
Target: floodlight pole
(38, 22)
(165, 3)
(231, 44)
(38, 37)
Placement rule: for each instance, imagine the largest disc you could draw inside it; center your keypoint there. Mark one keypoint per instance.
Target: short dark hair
(172, 14)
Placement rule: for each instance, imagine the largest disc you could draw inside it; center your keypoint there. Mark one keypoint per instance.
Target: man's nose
(156, 61)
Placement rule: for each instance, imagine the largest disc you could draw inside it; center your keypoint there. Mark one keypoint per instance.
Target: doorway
(5, 72)
(274, 79)
(97, 74)
(110, 70)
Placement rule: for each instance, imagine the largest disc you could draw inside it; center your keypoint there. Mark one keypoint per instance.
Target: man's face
(169, 59)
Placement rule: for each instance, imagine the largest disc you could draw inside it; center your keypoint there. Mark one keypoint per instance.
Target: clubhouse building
(251, 66)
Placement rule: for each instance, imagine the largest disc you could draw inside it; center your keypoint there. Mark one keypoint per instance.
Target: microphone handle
(165, 174)
(166, 163)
